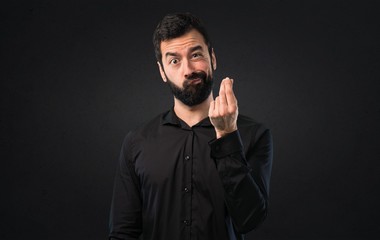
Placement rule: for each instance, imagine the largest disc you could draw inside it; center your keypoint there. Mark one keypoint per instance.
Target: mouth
(195, 81)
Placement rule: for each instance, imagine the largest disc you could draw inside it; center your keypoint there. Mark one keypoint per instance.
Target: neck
(194, 114)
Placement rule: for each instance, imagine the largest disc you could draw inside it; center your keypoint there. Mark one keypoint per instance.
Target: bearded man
(200, 170)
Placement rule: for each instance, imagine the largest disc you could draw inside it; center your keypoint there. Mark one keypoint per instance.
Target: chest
(174, 158)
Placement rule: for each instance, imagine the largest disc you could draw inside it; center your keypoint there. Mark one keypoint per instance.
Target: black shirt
(176, 182)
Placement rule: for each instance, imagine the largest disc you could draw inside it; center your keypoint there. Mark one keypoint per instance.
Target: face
(186, 67)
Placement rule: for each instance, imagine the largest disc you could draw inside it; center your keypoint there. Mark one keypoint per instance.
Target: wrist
(220, 134)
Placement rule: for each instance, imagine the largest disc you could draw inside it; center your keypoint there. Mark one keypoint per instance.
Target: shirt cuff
(226, 145)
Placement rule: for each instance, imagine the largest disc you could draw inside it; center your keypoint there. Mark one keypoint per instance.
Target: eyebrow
(195, 48)
(192, 49)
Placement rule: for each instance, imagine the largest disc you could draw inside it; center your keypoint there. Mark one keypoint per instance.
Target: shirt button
(187, 222)
(186, 189)
(187, 157)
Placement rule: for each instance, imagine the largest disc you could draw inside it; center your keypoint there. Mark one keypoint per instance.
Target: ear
(161, 69)
(213, 59)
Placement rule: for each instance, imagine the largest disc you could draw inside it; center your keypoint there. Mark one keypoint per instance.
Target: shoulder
(134, 138)
(247, 122)
(251, 128)
(148, 127)
(145, 129)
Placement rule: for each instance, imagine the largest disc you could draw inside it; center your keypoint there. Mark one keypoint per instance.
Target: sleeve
(245, 176)
(125, 214)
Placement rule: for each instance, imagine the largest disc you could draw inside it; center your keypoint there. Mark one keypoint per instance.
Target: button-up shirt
(176, 182)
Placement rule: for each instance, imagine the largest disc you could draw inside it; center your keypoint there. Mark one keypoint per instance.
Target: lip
(195, 81)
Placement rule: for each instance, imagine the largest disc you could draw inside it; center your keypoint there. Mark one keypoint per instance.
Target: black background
(76, 76)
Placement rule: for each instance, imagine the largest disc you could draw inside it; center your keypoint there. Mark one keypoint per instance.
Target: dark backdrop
(76, 76)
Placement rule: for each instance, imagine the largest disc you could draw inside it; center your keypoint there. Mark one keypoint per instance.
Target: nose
(188, 68)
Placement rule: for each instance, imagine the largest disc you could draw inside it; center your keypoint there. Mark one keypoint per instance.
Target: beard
(193, 94)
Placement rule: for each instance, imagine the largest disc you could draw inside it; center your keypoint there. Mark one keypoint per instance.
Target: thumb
(211, 108)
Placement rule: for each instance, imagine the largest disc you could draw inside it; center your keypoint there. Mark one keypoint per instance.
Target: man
(199, 170)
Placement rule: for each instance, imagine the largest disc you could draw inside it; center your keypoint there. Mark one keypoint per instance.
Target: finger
(222, 87)
(211, 109)
(230, 95)
(222, 98)
(217, 105)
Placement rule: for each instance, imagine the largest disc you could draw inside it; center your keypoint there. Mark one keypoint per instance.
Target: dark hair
(174, 25)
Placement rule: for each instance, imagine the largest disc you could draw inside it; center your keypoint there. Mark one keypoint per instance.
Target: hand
(223, 110)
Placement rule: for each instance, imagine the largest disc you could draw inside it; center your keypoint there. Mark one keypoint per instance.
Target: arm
(125, 215)
(245, 177)
(245, 173)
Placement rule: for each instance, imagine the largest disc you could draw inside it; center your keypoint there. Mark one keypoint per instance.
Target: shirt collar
(170, 118)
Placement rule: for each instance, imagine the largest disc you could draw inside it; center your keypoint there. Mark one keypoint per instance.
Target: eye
(173, 61)
(196, 55)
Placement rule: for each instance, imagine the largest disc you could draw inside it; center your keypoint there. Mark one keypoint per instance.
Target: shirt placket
(187, 185)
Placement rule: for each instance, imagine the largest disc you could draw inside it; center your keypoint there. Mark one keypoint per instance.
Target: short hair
(174, 25)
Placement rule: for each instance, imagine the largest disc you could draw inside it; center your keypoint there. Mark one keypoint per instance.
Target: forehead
(183, 43)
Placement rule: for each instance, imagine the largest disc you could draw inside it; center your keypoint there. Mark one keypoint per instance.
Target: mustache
(196, 75)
